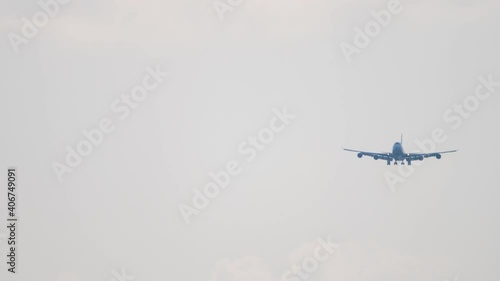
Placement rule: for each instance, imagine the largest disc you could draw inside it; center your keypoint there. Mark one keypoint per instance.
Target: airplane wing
(375, 155)
(421, 156)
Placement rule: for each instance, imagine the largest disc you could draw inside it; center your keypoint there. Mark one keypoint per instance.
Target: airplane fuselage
(398, 152)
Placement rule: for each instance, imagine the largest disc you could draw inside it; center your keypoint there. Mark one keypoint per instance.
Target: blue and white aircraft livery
(398, 154)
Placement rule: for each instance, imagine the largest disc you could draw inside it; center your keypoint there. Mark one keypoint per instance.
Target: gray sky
(119, 208)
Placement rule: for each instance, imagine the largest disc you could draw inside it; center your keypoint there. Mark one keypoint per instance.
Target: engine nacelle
(421, 158)
(375, 157)
(360, 155)
(438, 156)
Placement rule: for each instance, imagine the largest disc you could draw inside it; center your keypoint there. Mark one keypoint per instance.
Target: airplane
(398, 154)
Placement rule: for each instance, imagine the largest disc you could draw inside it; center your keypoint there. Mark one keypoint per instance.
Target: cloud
(248, 268)
(366, 262)
(67, 276)
(352, 261)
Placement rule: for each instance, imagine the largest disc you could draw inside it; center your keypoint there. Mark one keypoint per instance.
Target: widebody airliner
(398, 154)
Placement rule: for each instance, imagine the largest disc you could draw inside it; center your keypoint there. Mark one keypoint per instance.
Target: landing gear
(409, 162)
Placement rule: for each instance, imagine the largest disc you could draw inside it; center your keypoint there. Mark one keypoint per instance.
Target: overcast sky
(233, 66)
